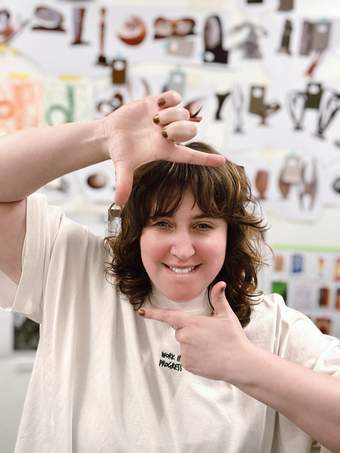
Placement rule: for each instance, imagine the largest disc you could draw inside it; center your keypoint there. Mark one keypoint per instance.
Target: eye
(203, 226)
(162, 224)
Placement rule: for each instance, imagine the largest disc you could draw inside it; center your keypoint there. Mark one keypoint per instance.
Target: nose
(182, 246)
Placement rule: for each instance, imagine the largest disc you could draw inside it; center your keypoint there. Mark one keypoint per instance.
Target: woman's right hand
(133, 138)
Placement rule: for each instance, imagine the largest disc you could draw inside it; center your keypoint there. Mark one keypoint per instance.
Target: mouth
(182, 270)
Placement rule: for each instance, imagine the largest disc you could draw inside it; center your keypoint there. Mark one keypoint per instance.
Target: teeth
(183, 270)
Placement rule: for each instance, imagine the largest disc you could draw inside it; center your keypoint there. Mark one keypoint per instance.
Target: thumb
(219, 300)
(124, 180)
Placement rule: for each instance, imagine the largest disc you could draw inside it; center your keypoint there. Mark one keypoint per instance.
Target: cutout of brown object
(337, 299)
(286, 5)
(258, 106)
(324, 324)
(286, 37)
(166, 28)
(97, 181)
(315, 36)
(324, 297)
(119, 68)
(133, 32)
(261, 183)
(78, 22)
(101, 60)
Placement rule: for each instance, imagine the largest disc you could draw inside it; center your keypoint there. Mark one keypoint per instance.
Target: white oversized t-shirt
(106, 380)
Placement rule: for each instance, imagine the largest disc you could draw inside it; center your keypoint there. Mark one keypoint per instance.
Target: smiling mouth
(182, 270)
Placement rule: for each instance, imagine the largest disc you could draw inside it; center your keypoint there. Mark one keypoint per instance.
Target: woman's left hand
(215, 347)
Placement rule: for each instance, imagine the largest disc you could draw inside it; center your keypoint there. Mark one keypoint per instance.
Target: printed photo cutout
(67, 99)
(133, 31)
(328, 113)
(280, 287)
(101, 58)
(315, 36)
(61, 190)
(176, 80)
(78, 19)
(165, 28)
(47, 18)
(259, 106)
(9, 27)
(97, 182)
(302, 101)
(303, 294)
(285, 5)
(119, 71)
(247, 40)
(21, 102)
(180, 47)
(286, 37)
(213, 36)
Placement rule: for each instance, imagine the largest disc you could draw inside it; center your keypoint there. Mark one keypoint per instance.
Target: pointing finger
(172, 317)
(187, 155)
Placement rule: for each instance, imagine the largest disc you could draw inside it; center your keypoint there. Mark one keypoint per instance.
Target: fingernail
(161, 102)
(141, 312)
(156, 119)
(164, 133)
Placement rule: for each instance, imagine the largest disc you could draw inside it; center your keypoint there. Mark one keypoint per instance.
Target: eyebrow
(196, 217)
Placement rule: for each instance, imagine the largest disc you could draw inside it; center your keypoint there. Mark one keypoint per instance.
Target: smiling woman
(181, 215)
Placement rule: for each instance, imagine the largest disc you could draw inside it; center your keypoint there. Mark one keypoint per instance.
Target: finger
(124, 180)
(174, 318)
(168, 99)
(218, 299)
(187, 155)
(180, 131)
(170, 115)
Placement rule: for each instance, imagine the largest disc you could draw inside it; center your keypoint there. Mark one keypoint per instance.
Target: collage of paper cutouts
(267, 80)
(309, 281)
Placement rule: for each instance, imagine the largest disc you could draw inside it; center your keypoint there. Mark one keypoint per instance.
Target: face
(182, 254)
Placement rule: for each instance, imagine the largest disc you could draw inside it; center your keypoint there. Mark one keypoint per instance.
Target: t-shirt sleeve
(42, 226)
(302, 342)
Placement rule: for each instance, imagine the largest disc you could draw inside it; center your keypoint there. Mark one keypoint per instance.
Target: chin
(182, 296)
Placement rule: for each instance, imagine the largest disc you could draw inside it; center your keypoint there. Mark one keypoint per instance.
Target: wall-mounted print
(285, 41)
(9, 27)
(78, 18)
(315, 36)
(214, 51)
(101, 58)
(260, 107)
(47, 18)
(133, 31)
(165, 27)
(301, 101)
(249, 35)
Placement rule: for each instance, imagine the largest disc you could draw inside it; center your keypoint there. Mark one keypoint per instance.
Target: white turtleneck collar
(198, 306)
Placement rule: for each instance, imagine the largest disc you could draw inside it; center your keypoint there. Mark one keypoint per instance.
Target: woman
(107, 376)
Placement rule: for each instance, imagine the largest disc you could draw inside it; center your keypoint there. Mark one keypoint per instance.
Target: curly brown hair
(220, 192)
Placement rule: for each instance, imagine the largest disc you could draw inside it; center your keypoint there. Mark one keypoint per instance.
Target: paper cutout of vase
(300, 101)
(49, 19)
(261, 183)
